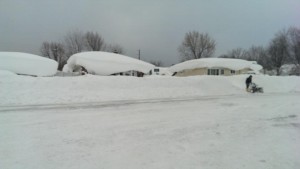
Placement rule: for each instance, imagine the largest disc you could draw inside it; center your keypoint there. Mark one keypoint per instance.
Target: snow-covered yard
(153, 122)
(20, 90)
(260, 131)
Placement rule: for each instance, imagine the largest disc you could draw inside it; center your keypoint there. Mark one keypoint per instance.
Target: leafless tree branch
(196, 45)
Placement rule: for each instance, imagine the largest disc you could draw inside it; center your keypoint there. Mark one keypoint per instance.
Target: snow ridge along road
(103, 104)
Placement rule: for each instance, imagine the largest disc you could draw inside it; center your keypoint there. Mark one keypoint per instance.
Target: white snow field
(20, 90)
(27, 64)
(95, 122)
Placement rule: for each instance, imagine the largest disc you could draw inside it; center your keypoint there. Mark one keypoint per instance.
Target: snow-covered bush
(295, 70)
(289, 69)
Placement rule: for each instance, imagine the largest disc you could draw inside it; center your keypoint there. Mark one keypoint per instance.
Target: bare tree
(279, 50)
(196, 45)
(223, 56)
(294, 39)
(75, 42)
(94, 41)
(156, 63)
(45, 49)
(116, 49)
(255, 53)
(58, 53)
(260, 55)
(54, 51)
(237, 53)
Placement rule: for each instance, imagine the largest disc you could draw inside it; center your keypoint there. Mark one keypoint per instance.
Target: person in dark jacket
(248, 82)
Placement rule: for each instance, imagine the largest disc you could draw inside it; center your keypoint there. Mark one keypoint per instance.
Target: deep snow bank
(105, 63)
(45, 90)
(27, 64)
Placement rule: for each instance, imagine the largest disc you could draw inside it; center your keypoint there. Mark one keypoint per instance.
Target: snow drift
(289, 69)
(234, 64)
(27, 64)
(91, 88)
(104, 63)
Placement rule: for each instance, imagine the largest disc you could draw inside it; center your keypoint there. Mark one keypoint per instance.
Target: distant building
(215, 66)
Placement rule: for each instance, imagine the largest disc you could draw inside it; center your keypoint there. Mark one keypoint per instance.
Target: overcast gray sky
(157, 27)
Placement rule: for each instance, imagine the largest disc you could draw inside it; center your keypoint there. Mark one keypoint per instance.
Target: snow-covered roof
(27, 64)
(233, 64)
(104, 63)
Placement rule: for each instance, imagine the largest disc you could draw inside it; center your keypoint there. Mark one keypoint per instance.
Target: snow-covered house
(215, 66)
(27, 64)
(105, 63)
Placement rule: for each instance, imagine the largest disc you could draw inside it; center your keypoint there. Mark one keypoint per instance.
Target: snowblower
(253, 88)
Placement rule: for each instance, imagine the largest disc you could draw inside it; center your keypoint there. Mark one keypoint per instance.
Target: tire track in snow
(114, 103)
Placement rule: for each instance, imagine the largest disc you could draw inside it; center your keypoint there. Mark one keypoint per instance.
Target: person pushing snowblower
(248, 82)
(252, 87)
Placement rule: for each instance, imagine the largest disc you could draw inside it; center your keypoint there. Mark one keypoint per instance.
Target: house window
(222, 71)
(213, 72)
(232, 71)
(156, 70)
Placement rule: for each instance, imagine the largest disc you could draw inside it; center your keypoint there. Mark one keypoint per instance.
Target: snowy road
(213, 132)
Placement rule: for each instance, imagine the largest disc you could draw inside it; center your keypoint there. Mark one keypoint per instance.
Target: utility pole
(139, 54)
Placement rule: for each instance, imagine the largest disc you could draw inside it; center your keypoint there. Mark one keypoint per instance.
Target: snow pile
(27, 64)
(104, 63)
(89, 88)
(286, 69)
(289, 69)
(233, 64)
